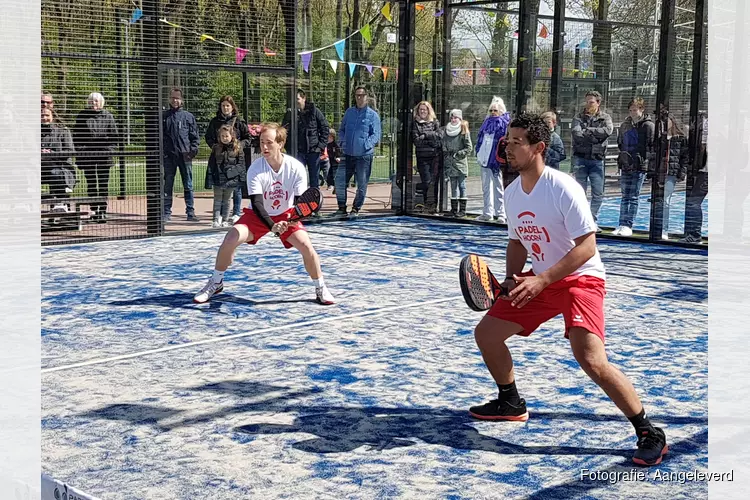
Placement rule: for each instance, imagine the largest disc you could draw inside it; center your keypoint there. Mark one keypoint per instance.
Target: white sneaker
(625, 231)
(235, 218)
(60, 208)
(617, 231)
(500, 219)
(323, 296)
(208, 291)
(665, 236)
(216, 223)
(484, 218)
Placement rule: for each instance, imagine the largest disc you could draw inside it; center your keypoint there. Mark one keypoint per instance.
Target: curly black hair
(536, 129)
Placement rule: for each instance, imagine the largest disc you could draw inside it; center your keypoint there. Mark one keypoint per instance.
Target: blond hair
(430, 112)
(280, 131)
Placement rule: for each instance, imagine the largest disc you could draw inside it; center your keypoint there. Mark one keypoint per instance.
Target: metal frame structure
(155, 64)
(525, 78)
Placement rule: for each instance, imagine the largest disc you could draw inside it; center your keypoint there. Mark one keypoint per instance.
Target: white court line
(455, 266)
(122, 357)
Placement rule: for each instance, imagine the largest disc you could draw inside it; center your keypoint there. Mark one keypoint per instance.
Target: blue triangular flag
(340, 48)
(137, 14)
(352, 67)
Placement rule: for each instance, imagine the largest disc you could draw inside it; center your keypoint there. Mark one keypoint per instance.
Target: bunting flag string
(239, 52)
(353, 66)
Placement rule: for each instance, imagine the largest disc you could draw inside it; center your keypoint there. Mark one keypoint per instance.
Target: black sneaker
(652, 446)
(501, 410)
(193, 218)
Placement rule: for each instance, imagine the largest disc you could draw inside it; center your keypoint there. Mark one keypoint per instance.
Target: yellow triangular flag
(496, 70)
(334, 64)
(513, 71)
(506, 21)
(366, 34)
(207, 37)
(171, 24)
(386, 11)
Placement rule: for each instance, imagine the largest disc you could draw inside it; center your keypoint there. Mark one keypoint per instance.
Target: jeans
(312, 162)
(669, 184)
(325, 168)
(593, 170)
(693, 209)
(237, 201)
(171, 164)
(494, 193)
(630, 187)
(221, 202)
(360, 167)
(458, 187)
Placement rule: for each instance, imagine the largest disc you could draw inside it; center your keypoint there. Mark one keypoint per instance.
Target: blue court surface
(609, 214)
(262, 393)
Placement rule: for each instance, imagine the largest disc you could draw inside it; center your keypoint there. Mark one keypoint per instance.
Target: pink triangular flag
(239, 55)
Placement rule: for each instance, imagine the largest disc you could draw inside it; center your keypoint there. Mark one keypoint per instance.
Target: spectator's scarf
(491, 125)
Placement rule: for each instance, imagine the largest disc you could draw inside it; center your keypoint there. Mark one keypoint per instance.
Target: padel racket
(308, 204)
(479, 286)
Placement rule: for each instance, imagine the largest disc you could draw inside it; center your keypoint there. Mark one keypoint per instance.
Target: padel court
(262, 393)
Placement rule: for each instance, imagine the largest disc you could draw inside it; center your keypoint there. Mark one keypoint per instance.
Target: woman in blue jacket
(494, 127)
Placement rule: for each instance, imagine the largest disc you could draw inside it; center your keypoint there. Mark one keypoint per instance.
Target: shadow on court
(344, 429)
(185, 301)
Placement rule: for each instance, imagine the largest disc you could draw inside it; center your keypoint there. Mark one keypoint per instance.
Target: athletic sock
(509, 393)
(319, 283)
(218, 276)
(641, 422)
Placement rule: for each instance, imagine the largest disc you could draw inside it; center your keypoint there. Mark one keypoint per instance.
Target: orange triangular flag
(544, 33)
(384, 69)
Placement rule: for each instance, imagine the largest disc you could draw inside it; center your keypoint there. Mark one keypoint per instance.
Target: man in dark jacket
(635, 140)
(590, 131)
(312, 136)
(181, 141)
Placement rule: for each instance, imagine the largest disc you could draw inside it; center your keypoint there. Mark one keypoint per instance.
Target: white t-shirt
(278, 188)
(548, 220)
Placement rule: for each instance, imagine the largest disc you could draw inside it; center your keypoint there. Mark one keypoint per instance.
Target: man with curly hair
(549, 220)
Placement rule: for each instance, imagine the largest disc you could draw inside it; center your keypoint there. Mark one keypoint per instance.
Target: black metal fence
(537, 55)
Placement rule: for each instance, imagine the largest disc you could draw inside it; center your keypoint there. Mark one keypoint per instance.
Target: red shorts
(258, 228)
(580, 299)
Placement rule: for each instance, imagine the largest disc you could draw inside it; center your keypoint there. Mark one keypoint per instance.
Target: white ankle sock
(319, 283)
(218, 276)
